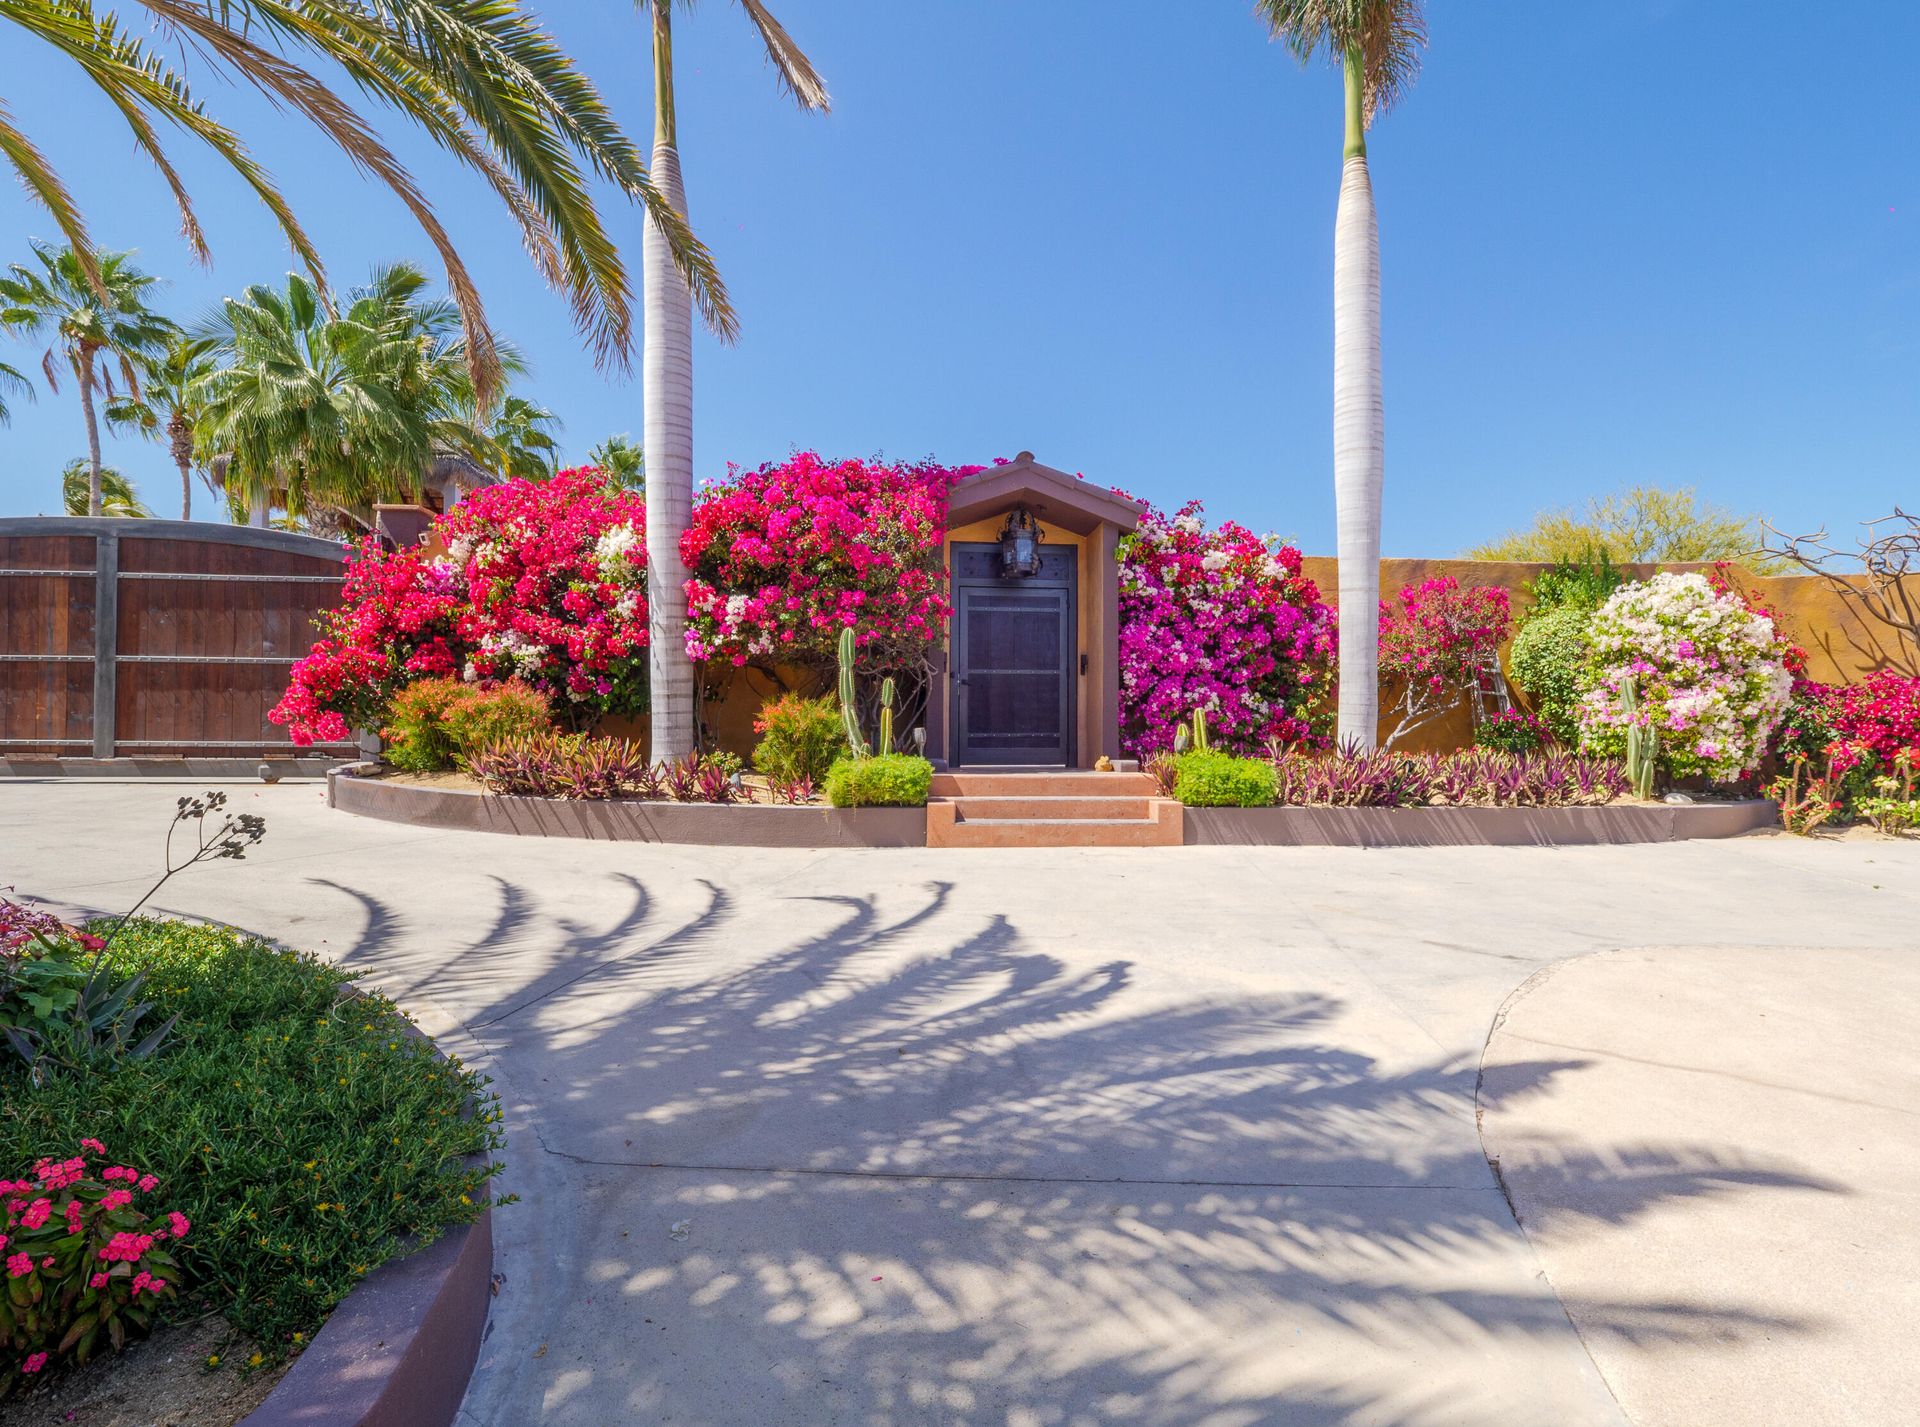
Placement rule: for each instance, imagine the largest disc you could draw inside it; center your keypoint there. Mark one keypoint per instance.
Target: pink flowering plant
(1711, 675)
(544, 581)
(784, 557)
(89, 1255)
(1435, 639)
(1223, 621)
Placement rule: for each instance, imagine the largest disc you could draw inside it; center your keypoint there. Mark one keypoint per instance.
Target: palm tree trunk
(1359, 429)
(84, 371)
(667, 391)
(181, 442)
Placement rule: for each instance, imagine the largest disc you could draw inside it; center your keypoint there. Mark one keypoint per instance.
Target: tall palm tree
(1377, 44)
(621, 461)
(93, 325)
(320, 413)
(667, 377)
(168, 404)
(480, 77)
(79, 480)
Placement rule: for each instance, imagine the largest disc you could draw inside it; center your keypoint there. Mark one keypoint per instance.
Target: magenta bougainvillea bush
(1224, 621)
(88, 1256)
(786, 556)
(544, 581)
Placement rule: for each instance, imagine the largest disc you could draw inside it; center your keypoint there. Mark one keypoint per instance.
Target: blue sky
(1670, 241)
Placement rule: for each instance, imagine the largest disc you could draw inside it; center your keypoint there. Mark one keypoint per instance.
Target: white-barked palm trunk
(667, 393)
(1359, 432)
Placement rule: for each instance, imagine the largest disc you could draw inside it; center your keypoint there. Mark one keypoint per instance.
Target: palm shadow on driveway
(871, 1160)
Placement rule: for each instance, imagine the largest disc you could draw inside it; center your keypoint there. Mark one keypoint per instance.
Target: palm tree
(10, 378)
(1377, 45)
(94, 324)
(480, 77)
(169, 404)
(667, 377)
(329, 414)
(89, 490)
(621, 462)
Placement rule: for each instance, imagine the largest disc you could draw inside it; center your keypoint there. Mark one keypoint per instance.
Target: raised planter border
(625, 820)
(1476, 827)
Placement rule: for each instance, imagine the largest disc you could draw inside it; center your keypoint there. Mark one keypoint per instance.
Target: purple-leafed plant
(713, 782)
(792, 791)
(601, 768)
(681, 778)
(1164, 769)
(646, 781)
(1474, 777)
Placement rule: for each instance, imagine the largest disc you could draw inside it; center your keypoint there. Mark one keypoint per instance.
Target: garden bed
(448, 802)
(1476, 827)
(331, 1176)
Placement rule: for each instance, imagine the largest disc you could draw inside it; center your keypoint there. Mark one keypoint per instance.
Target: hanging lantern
(1020, 541)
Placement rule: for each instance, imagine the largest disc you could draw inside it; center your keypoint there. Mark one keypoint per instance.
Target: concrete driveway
(1178, 1138)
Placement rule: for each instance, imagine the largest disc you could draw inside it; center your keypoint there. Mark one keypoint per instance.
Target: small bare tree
(1880, 577)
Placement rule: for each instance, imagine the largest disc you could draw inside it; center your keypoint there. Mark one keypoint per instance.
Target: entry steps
(1050, 809)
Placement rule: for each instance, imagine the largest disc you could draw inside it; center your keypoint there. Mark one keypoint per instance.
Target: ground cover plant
(1223, 621)
(301, 1130)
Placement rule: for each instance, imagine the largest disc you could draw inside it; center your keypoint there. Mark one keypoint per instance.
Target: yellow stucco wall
(1842, 645)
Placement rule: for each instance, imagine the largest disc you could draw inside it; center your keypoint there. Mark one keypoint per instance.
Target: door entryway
(1015, 648)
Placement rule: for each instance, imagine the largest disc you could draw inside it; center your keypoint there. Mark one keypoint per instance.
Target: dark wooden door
(1014, 684)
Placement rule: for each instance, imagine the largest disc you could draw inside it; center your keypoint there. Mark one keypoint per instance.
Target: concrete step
(1058, 784)
(1161, 826)
(1055, 808)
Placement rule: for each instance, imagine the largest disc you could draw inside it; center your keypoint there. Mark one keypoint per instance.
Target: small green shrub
(1511, 731)
(1547, 660)
(799, 738)
(1221, 780)
(886, 780)
(303, 1131)
(436, 724)
(488, 715)
(416, 737)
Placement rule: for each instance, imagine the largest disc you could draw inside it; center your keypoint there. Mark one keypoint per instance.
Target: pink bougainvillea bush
(88, 1256)
(544, 581)
(1710, 675)
(1864, 726)
(786, 556)
(1434, 638)
(1224, 621)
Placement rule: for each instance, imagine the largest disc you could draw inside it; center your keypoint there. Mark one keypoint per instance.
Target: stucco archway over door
(1074, 516)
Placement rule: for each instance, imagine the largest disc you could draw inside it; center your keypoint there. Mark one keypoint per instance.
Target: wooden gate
(153, 638)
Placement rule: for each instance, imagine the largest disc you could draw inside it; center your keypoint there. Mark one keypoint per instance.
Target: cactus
(885, 745)
(1643, 743)
(1182, 739)
(849, 709)
(1200, 744)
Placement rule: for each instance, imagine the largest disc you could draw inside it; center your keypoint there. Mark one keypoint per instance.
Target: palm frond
(12, 378)
(791, 67)
(37, 176)
(1389, 35)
